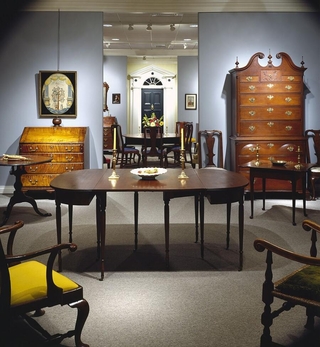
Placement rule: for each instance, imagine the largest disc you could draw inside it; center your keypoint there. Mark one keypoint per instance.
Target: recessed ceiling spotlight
(115, 39)
(130, 27)
(107, 25)
(172, 27)
(149, 27)
(193, 25)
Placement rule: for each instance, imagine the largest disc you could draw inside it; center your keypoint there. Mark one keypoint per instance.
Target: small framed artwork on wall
(116, 99)
(191, 102)
(58, 94)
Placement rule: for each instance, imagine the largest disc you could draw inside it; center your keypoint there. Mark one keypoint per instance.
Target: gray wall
(187, 84)
(31, 45)
(115, 74)
(225, 36)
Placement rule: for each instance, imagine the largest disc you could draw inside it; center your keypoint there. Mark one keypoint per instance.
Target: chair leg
(313, 188)
(83, 311)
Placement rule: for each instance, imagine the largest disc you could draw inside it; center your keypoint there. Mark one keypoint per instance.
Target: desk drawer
(50, 148)
(42, 180)
(53, 168)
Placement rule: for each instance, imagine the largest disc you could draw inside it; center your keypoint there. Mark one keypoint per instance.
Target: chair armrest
(260, 245)
(12, 229)
(53, 291)
(310, 225)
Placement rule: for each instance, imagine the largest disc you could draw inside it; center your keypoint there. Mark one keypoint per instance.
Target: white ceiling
(160, 41)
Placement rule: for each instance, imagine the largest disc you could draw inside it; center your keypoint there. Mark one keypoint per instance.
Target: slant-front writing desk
(80, 187)
(288, 172)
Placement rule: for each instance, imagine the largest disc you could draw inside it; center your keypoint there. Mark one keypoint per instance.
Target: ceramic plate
(148, 173)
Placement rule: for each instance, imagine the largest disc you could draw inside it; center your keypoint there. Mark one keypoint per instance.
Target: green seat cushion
(304, 283)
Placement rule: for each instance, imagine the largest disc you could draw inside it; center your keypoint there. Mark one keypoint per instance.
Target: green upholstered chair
(301, 287)
(28, 285)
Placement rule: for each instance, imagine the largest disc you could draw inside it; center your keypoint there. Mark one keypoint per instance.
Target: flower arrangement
(152, 121)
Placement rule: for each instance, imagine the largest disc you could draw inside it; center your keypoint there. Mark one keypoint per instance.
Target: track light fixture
(149, 27)
(172, 27)
(130, 27)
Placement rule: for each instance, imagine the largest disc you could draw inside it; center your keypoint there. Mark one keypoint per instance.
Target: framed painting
(58, 94)
(191, 102)
(116, 98)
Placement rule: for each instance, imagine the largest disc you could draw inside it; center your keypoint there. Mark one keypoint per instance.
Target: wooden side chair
(188, 133)
(313, 146)
(125, 154)
(210, 156)
(27, 285)
(153, 145)
(300, 287)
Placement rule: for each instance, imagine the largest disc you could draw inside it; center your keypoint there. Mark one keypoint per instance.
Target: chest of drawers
(267, 114)
(66, 147)
(107, 135)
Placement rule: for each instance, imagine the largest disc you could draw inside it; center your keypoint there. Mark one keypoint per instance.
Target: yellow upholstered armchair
(301, 287)
(28, 285)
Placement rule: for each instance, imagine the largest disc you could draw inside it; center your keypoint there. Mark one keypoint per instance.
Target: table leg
(196, 216)
(166, 200)
(201, 196)
(251, 193)
(18, 196)
(101, 227)
(136, 216)
(241, 228)
(294, 190)
(263, 194)
(58, 226)
(70, 212)
(304, 192)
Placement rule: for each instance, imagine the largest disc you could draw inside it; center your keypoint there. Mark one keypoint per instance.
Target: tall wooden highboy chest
(267, 115)
(66, 147)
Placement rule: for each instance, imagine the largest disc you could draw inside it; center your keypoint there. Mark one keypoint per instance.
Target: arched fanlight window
(152, 81)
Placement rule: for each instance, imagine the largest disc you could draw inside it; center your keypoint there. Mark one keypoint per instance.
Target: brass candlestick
(114, 176)
(257, 162)
(182, 160)
(299, 165)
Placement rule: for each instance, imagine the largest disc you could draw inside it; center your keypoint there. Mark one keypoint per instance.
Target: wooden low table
(17, 170)
(289, 172)
(80, 187)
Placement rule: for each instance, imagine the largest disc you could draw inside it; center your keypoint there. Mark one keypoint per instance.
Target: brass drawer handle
(288, 113)
(270, 109)
(290, 78)
(288, 127)
(31, 149)
(252, 113)
(249, 78)
(252, 128)
(270, 145)
(290, 149)
(270, 124)
(34, 183)
(270, 97)
(31, 169)
(270, 85)
(69, 158)
(288, 87)
(69, 169)
(252, 87)
(287, 99)
(69, 149)
(252, 99)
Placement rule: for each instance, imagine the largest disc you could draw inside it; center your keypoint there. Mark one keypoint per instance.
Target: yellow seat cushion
(28, 282)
